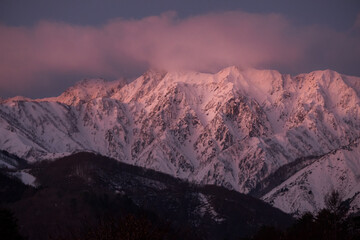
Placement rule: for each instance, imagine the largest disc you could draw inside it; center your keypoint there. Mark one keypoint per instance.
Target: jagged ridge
(233, 128)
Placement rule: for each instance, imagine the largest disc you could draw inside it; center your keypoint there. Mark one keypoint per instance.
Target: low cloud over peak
(34, 59)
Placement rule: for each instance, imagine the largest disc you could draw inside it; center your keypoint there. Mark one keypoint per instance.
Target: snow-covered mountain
(236, 128)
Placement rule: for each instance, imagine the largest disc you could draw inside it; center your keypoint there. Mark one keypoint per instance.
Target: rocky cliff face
(236, 128)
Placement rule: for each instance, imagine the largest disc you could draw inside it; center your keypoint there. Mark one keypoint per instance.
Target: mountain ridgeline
(286, 139)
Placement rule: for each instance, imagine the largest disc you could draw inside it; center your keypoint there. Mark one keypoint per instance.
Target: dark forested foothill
(331, 223)
(9, 229)
(86, 195)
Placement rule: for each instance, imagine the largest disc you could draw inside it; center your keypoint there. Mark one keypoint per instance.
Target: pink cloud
(31, 56)
(206, 42)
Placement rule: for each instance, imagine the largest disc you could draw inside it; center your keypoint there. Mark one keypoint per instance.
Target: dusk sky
(48, 45)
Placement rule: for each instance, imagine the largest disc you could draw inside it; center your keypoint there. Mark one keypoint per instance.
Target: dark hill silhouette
(82, 188)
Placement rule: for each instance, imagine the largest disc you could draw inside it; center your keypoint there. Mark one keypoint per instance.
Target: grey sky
(339, 14)
(322, 34)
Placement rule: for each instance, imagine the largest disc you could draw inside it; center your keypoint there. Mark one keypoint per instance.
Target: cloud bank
(40, 60)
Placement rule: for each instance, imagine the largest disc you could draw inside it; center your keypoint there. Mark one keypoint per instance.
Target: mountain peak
(17, 99)
(154, 73)
(229, 69)
(89, 89)
(233, 128)
(90, 82)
